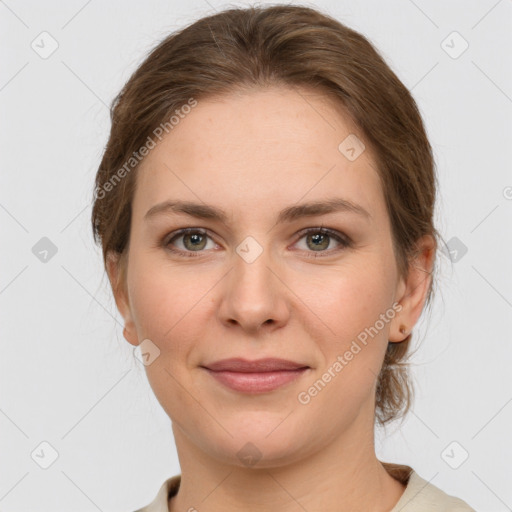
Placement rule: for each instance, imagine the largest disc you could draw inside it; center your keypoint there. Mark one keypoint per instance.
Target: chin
(262, 446)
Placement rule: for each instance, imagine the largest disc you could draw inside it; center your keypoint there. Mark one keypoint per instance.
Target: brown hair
(290, 46)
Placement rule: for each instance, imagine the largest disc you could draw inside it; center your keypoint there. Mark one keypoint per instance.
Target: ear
(412, 291)
(117, 280)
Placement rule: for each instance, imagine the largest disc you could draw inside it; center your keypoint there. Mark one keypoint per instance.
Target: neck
(344, 475)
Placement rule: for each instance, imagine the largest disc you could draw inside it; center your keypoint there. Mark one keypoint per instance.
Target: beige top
(419, 495)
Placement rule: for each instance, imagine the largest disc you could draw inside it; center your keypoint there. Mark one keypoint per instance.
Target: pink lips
(255, 376)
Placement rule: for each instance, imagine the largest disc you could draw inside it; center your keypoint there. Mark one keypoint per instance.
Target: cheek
(353, 355)
(163, 301)
(166, 304)
(351, 299)
(355, 310)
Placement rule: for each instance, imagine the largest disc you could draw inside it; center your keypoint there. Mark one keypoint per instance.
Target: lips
(261, 376)
(259, 366)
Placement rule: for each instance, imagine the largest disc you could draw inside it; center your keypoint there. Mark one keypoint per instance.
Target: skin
(253, 154)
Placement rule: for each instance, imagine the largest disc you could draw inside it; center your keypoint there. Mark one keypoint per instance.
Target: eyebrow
(289, 214)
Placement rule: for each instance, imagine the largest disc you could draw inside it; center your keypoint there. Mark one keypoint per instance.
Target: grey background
(68, 377)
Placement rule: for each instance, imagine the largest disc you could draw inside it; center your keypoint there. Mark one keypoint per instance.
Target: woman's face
(253, 285)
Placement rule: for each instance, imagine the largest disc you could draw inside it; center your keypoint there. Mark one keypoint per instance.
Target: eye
(319, 239)
(193, 240)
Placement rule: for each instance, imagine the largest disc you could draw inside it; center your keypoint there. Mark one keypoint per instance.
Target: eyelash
(344, 240)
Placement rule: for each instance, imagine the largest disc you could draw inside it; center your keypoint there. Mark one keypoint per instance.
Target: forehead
(254, 149)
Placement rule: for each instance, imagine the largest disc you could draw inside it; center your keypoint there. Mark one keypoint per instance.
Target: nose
(254, 296)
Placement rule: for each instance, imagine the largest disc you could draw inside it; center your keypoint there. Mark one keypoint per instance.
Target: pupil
(193, 240)
(318, 239)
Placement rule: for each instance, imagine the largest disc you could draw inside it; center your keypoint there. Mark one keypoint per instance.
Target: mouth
(259, 376)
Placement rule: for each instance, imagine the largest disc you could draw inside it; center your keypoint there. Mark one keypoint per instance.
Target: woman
(264, 206)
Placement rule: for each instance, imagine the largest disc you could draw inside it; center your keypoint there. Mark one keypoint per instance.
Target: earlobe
(118, 285)
(414, 290)
(400, 334)
(130, 335)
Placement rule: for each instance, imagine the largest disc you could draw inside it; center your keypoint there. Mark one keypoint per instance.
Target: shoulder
(422, 496)
(167, 489)
(419, 495)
